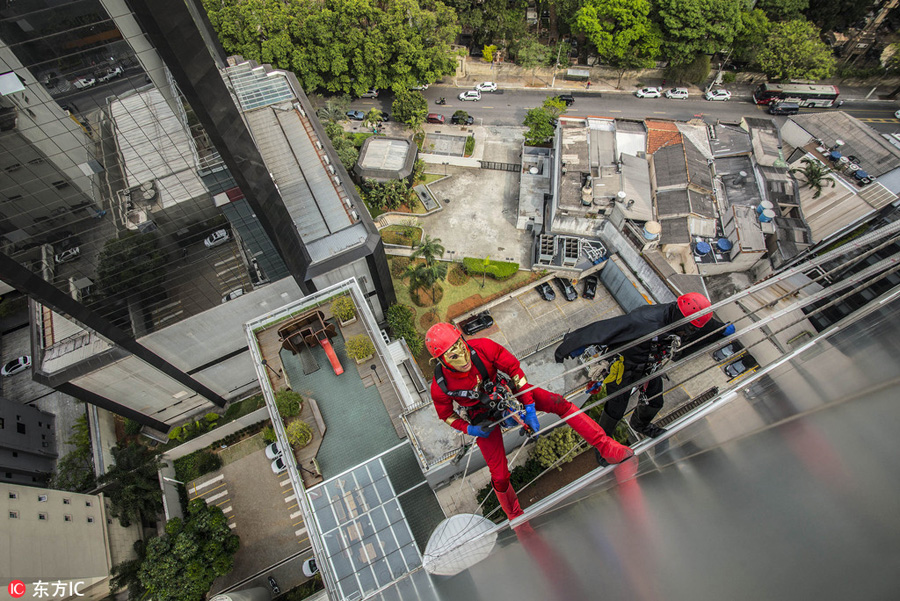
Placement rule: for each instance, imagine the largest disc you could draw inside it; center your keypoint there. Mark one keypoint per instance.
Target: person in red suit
(467, 374)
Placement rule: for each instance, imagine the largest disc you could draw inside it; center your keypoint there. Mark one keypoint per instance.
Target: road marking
(285, 482)
(295, 514)
(659, 112)
(228, 260)
(227, 509)
(223, 502)
(173, 304)
(232, 526)
(295, 523)
(200, 496)
(299, 532)
(292, 506)
(287, 490)
(290, 498)
(216, 496)
(208, 482)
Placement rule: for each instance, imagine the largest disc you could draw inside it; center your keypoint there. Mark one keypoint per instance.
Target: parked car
(459, 120)
(482, 321)
(272, 451)
(546, 291)
(69, 254)
(385, 117)
(310, 568)
(16, 366)
(567, 98)
(112, 74)
(719, 94)
(742, 365)
(648, 93)
(590, 287)
(274, 584)
(217, 238)
(421, 87)
(729, 350)
(486, 86)
(84, 82)
(356, 115)
(233, 295)
(278, 466)
(677, 93)
(434, 118)
(372, 93)
(565, 286)
(470, 95)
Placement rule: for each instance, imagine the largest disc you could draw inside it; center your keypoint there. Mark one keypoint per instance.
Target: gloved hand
(478, 431)
(729, 330)
(510, 421)
(531, 419)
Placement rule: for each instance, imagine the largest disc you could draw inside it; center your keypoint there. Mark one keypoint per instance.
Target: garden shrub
(192, 466)
(299, 434)
(457, 275)
(400, 320)
(359, 347)
(289, 403)
(175, 433)
(552, 449)
(728, 77)
(268, 434)
(343, 308)
(399, 265)
(211, 418)
(132, 428)
(470, 145)
(499, 270)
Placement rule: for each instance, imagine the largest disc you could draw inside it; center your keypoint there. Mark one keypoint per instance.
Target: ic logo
(16, 589)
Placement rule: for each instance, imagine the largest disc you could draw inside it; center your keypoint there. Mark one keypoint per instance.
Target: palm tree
(429, 249)
(373, 118)
(435, 272)
(132, 484)
(416, 274)
(816, 175)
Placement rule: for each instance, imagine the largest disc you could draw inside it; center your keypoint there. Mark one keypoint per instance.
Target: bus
(801, 93)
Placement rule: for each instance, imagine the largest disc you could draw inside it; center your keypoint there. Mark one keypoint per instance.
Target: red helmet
(691, 303)
(441, 336)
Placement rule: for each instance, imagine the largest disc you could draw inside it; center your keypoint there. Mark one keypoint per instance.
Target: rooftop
(382, 158)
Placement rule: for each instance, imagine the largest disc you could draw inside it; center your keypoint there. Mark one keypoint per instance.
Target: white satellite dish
(458, 543)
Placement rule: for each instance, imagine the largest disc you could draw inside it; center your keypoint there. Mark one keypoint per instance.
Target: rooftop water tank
(702, 248)
(724, 244)
(764, 206)
(652, 230)
(767, 216)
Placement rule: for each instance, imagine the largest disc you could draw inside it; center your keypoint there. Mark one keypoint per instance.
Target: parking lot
(261, 509)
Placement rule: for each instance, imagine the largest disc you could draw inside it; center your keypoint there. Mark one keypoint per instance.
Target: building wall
(27, 443)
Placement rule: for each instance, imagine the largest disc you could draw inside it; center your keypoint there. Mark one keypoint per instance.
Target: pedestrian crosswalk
(214, 492)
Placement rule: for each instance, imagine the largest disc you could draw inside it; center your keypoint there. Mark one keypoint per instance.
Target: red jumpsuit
(495, 357)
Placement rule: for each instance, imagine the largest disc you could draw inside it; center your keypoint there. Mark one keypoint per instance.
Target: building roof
(875, 155)
(661, 134)
(636, 185)
(670, 167)
(766, 141)
(699, 174)
(738, 179)
(534, 182)
(729, 140)
(382, 158)
(257, 85)
(675, 231)
(155, 146)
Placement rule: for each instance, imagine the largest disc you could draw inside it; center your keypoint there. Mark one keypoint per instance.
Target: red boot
(509, 501)
(609, 449)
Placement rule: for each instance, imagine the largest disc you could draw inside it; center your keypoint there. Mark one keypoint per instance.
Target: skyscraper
(139, 214)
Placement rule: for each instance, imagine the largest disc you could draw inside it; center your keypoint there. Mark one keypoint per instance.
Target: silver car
(216, 238)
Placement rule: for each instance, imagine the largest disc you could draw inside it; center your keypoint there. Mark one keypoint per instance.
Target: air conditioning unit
(331, 169)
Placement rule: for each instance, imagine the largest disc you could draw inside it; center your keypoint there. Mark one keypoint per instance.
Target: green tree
(783, 10)
(182, 564)
(540, 124)
(410, 107)
(373, 117)
(693, 27)
(400, 319)
(434, 273)
(299, 434)
(531, 54)
(335, 109)
(836, 14)
(418, 275)
(75, 471)
(752, 35)
(132, 485)
(387, 195)
(347, 152)
(622, 32)
(815, 175)
(288, 402)
(429, 249)
(131, 264)
(127, 574)
(794, 51)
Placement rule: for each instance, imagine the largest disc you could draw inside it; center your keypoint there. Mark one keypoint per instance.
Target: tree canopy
(410, 107)
(795, 51)
(831, 14)
(783, 10)
(182, 564)
(132, 485)
(622, 32)
(693, 27)
(345, 46)
(752, 35)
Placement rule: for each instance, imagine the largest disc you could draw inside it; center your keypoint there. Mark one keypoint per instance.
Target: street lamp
(375, 373)
(173, 480)
(266, 363)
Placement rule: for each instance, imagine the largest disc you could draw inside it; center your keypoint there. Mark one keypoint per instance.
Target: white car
(272, 451)
(278, 465)
(648, 93)
(70, 254)
(470, 95)
(718, 95)
(216, 238)
(16, 366)
(373, 93)
(310, 568)
(677, 93)
(111, 74)
(421, 87)
(233, 295)
(486, 86)
(84, 82)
